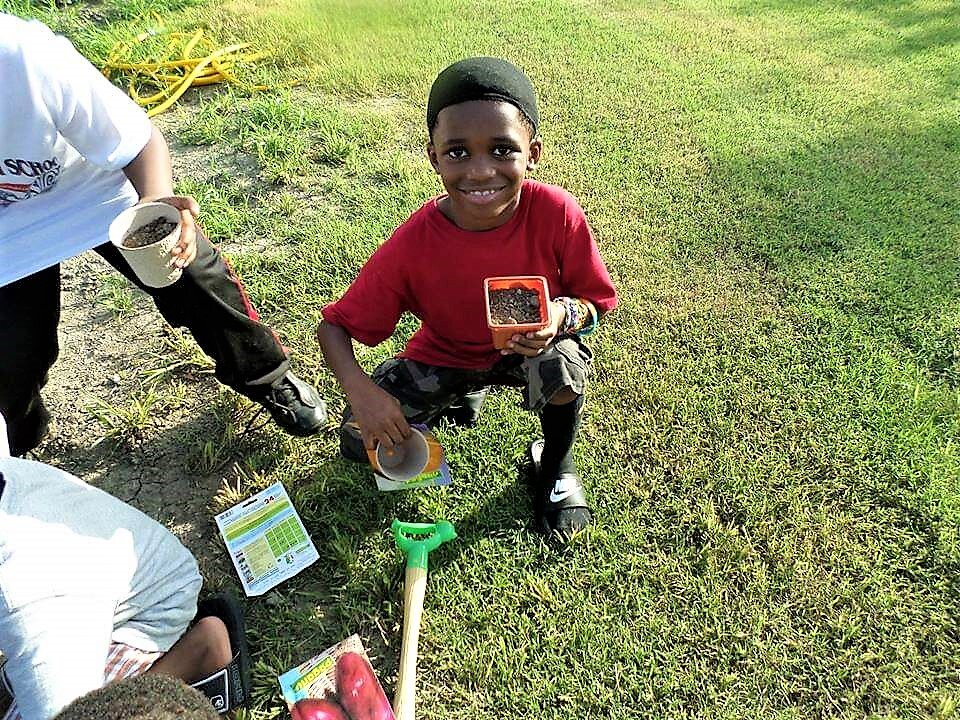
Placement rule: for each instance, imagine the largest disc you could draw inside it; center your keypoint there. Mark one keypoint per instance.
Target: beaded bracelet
(594, 319)
(581, 316)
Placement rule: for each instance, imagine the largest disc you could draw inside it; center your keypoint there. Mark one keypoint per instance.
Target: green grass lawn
(773, 438)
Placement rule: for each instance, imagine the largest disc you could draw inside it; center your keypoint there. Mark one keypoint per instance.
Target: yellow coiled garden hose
(175, 62)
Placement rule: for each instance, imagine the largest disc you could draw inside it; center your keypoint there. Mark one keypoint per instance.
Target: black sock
(559, 423)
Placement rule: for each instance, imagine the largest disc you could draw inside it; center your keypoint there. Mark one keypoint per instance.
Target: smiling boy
(484, 138)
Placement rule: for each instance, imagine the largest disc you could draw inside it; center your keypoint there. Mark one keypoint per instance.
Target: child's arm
(151, 175)
(376, 412)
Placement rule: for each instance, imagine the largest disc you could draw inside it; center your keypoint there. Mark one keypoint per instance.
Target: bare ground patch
(134, 401)
(150, 459)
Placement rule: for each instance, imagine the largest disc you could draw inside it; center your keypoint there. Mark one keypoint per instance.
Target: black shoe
(294, 405)
(559, 503)
(465, 412)
(351, 444)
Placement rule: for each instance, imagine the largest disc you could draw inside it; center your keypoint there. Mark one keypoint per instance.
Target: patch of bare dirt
(152, 462)
(102, 358)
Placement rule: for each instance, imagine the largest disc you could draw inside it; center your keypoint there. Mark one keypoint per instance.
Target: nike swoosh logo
(564, 488)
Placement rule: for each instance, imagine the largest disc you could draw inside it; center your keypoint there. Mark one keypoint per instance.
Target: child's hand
(185, 250)
(532, 344)
(379, 416)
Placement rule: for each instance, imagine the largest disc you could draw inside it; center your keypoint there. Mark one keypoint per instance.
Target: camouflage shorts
(426, 391)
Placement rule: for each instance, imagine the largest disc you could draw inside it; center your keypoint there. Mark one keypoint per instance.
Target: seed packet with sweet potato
(337, 684)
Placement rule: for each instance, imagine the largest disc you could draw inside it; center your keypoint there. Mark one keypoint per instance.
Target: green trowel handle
(416, 540)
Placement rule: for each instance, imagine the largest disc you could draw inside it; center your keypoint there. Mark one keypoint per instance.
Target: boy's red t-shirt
(435, 270)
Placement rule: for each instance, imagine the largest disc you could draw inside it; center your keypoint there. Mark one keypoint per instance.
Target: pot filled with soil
(515, 305)
(145, 234)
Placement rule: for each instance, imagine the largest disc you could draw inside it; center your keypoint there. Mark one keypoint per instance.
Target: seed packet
(266, 540)
(337, 684)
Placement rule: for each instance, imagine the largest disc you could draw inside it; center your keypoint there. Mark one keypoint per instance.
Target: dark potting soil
(152, 232)
(514, 306)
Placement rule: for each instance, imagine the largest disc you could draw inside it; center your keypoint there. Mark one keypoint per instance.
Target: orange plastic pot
(502, 333)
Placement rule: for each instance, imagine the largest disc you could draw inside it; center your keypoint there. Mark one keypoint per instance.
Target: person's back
(79, 570)
(92, 590)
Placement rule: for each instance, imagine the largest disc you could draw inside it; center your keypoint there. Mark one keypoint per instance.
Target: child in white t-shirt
(92, 590)
(74, 152)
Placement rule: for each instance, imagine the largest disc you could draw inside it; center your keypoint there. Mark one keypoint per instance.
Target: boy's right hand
(379, 416)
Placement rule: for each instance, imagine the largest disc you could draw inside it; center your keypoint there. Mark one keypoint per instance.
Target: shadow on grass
(862, 228)
(909, 30)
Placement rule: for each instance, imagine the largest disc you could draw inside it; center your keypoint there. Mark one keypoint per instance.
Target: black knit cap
(482, 78)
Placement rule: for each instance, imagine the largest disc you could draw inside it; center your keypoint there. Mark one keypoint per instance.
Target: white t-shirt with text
(66, 133)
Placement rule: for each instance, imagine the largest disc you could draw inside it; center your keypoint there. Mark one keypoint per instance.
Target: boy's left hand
(532, 344)
(185, 250)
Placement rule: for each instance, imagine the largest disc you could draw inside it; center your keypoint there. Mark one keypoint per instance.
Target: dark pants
(426, 391)
(208, 300)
